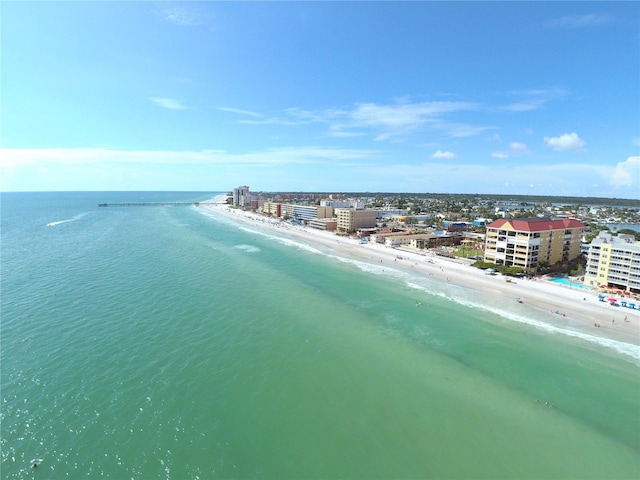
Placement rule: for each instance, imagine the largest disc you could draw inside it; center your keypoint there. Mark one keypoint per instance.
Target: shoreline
(556, 307)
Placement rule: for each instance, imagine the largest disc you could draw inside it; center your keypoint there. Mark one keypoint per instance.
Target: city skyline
(444, 97)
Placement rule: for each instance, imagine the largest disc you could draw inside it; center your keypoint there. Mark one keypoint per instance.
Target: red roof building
(526, 242)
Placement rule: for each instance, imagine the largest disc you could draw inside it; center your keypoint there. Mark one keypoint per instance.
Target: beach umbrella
(611, 299)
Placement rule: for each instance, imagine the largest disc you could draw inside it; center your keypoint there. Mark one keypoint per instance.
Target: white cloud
(533, 99)
(499, 155)
(459, 130)
(518, 147)
(515, 177)
(185, 15)
(337, 131)
(170, 103)
(524, 105)
(580, 21)
(566, 141)
(444, 155)
(397, 120)
(240, 111)
(288, 168)
(390, 121)
(12, 158)
(627, 173)
(403, 115)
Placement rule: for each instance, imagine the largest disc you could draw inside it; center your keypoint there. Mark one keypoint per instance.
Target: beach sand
(551, 303)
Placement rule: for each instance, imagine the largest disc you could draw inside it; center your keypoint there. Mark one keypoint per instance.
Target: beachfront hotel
(303, 213)
(614, 261)
(528, 242)
(351, 219)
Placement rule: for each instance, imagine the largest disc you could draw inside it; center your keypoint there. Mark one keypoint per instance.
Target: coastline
(554, 307)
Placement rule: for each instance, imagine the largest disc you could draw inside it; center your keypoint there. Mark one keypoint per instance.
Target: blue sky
(445, 97)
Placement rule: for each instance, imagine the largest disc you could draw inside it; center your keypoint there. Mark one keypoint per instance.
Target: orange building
(525, 242)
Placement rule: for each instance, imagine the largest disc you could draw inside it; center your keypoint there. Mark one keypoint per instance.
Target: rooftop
(537, 224)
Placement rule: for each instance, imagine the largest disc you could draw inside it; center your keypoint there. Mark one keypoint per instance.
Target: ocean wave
(247, 248)
(627, 349)
(285, 241)
(374, 268)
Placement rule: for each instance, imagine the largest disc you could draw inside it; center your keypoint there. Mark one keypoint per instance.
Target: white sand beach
(552, 304)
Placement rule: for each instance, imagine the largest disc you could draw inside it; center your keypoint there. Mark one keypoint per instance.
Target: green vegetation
(381, 198)
(628, 231)
(504, 269)
(466, 252)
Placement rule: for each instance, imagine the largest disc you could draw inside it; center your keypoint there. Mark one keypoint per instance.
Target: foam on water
(285, 241)
(247, 248)
(69, 220)
(626, 349)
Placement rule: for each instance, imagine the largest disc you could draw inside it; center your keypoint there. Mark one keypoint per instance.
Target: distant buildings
(614, 261)
(528, 242)
(357, 204)
(301, 213)
(241, 196)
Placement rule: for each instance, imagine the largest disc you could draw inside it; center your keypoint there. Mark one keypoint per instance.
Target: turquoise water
(564, 281)
(167, 342)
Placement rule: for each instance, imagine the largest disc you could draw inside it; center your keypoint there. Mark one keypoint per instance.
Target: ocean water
(167, 342)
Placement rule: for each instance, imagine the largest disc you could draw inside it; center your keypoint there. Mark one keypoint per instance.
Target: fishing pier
(155, 204)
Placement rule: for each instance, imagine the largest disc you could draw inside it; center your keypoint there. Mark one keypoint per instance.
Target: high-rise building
(527, 242)
(241, 196)
(614, 261)
(350, 219)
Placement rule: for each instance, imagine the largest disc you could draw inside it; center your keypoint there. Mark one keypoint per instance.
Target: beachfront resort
(518, 238)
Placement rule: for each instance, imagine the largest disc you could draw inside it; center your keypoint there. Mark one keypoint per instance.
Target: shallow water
(164, 341)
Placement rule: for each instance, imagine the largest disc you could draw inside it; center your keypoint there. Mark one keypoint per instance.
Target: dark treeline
(564, 200)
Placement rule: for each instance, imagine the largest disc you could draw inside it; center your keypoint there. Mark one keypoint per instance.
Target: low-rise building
(272, 208)
(419, 241)
(614, 261)
(329, 224)
(432, 240)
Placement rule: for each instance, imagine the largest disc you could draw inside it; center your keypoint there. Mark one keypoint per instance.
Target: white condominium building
(241, 196)
(614, 261)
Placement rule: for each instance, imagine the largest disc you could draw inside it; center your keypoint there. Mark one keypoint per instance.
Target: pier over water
(155, 204)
